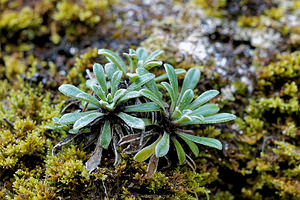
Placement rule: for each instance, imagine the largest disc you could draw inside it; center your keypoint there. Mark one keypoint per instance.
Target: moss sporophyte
(128, 108)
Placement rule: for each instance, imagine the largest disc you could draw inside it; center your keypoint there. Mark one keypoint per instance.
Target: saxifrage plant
(183, 111)
(126, 106)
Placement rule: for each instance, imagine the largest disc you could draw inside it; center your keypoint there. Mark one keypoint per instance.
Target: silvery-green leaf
(176, 114)
(89, 105)
(90, 82)
(198, 117)
(212, 119)
(129, 95)
(148, 94)
(71, 118)
(194, 148)
(147, 121)
(207, 109)
(105, 136)
(141, 54)
(113, 57)
(172, 79)
(211, 142)
(85, 120)
(146, 152)
(203, 98)
(132, 76)
(154, 54)
(110, 106)
(190, 81)
(115, 80)
(180, 151)
(110, 69)
(152, 63)
(163, 146)
(186, 99)
(132, 60)
(140, 81)
(151, 85)
(69, 90)
(99, 92)
(182, 119)
(73, 131)
(131, 121)
(100, 76)
(165, 76)
(88, 98)
(120, 93)
(172, 94)
(143, 107)
(218, 118)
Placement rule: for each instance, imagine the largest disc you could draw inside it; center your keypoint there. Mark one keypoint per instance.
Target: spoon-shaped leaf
(203, 98)
(180, 151)
(69, 90)
(154, 54)
(172, 79)
(148, 94)
(186, 99)
(165, 76)
(190, 81)
(89, 98)
(194, 148)
(146, 152)
(113, 57)
(71, 118)
(100, 76)
(140, 81)
(207, 109)
(211, 142)
(131, 121)
(115, 80)
(163, 146)
(129, 95)
(143, 107)
(105, 136)
(85, 120)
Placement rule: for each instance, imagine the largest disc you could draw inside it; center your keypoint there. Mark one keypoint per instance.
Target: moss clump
(66, 172)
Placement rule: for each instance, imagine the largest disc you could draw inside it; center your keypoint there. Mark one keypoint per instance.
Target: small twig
(9, 122)
(86, 104)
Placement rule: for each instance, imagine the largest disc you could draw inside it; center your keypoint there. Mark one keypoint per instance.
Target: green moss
(66, 171)
(215, 9)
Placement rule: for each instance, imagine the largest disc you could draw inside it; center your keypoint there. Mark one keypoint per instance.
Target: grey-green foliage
(184, 110)
(121, 94)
